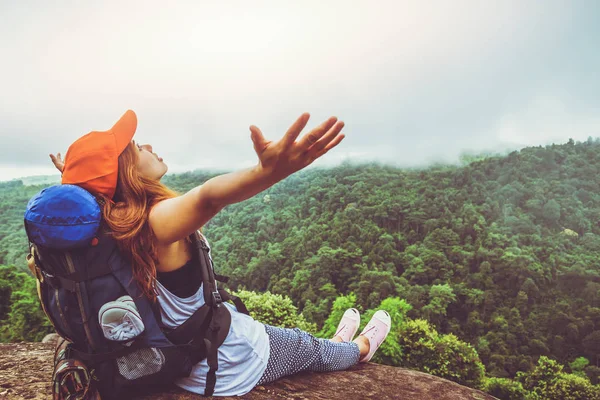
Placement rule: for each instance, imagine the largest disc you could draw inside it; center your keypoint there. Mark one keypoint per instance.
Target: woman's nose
(147, 147)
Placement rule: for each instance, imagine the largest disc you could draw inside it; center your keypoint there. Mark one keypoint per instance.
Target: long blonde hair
(126, 218)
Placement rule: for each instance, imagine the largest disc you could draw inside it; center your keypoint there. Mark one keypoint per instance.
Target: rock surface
(26, 370)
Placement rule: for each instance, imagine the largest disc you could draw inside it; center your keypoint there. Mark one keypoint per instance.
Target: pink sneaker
(376, 331)
(348, 325)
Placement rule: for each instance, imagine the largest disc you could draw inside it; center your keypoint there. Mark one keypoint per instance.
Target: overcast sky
(415, 81)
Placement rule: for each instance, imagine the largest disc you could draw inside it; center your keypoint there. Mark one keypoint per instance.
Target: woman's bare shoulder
(177, 218)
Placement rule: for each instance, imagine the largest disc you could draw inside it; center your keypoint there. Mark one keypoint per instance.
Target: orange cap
(92, 161)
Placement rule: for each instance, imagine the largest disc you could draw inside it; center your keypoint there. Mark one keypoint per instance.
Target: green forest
(490, 269)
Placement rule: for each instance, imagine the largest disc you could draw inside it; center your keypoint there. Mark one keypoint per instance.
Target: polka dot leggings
(293, 351)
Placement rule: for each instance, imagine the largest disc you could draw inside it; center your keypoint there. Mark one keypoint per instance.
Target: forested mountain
(13, 241)
(502, 252)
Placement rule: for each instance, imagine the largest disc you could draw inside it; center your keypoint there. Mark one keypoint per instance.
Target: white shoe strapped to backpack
(120, 319)
(376, 331)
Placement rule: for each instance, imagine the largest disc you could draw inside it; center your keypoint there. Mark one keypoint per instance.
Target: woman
(153, 225)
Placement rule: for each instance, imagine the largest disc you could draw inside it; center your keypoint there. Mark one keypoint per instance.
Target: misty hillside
(503, 252)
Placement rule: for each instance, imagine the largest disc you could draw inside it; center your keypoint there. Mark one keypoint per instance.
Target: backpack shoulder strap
(220, 318)
(239, 304)
(211, 295)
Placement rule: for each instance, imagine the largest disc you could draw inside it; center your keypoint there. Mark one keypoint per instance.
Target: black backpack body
(79, 268)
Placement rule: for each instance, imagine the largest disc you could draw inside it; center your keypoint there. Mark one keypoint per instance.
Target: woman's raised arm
(174, 219)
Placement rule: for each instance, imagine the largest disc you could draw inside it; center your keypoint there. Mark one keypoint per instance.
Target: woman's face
(150, 165)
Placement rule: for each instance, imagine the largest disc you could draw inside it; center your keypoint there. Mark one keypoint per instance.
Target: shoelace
(370, 334)
(344, 328)
(122, 331)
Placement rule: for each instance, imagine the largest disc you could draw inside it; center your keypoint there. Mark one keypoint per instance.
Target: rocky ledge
(26, 370)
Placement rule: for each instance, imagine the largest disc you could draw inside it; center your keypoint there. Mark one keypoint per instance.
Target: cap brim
(124, 130)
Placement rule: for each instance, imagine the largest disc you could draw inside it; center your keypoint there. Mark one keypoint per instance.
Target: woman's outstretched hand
(58, 162)
(277, 160)
(287, 156)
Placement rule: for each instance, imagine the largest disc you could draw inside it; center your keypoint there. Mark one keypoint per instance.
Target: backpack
(79, 268)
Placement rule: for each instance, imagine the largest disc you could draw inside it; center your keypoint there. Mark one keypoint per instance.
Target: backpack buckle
(217, 299)
(49, 278)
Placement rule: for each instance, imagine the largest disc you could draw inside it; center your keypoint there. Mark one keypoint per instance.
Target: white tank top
(243, 356)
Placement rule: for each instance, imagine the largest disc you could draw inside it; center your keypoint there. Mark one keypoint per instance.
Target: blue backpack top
(62, 217)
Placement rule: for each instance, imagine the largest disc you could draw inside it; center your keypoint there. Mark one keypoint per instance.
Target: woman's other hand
(287, 156)
(58, 162)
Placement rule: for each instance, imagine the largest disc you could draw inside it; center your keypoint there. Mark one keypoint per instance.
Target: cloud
(546, 119)
(415, 82)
